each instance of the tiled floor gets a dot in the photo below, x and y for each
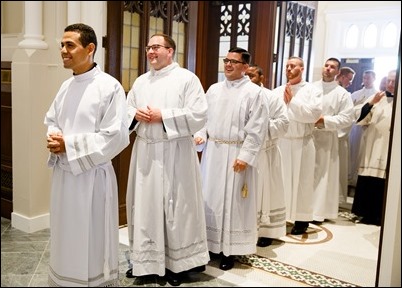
(335, 254)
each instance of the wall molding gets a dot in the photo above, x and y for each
(30, 225)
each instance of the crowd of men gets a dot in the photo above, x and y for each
(268, 157)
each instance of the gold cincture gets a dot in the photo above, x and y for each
(222, 141)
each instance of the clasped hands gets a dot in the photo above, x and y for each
(55, 143)
(198, 141)
(287, 96)
(149, 115)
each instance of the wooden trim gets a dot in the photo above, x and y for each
(191, 35)
(6, 65)
(114, 35)
(262, 37)
(113, 54)
(6, 143)
(208, 43)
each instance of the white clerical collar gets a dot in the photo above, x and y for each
(164, 70)
(87, 75)
(237, 82)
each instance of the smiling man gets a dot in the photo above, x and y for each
(231, 142)
(165, 209)
(87, 127)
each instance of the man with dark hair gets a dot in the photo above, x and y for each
(231, 142)
(271, 208)
(87, 127)
(345, 76)
(344, 79)
(337, 113)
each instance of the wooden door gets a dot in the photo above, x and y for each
(252, 19)
(6, 142)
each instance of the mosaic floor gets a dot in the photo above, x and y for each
(337, 253)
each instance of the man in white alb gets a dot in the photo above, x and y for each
(304, 107)
(165, 208)
(337, 113)
(270, 197)
(231, 142)
(87, 127)
(359, 97)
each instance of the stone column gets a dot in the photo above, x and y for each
(33, 37)
(73, 12)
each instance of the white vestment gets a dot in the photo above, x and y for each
(359, 97)
(298, 151)
(271, 208)
(375, 139)
(90, 111)
(370, 187)
(337, 109)
(236, 128)
(343, 151)
(165, 208)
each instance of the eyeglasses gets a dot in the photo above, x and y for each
(155, 47)
(232, 61)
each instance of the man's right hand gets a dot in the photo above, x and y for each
(288, 93)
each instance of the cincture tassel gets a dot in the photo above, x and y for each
(244, 191)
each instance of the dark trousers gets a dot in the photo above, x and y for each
(369, 199)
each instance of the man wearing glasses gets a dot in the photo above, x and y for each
(231, 142)
(165, 208)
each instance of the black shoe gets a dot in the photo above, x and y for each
(357, 219)
(145, 279)
(264, 241)
(227, 262)
(299, 228)
(214, 256)
(129, 273)
(197, 269)
(172, 278)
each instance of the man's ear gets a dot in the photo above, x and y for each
(91, 48)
